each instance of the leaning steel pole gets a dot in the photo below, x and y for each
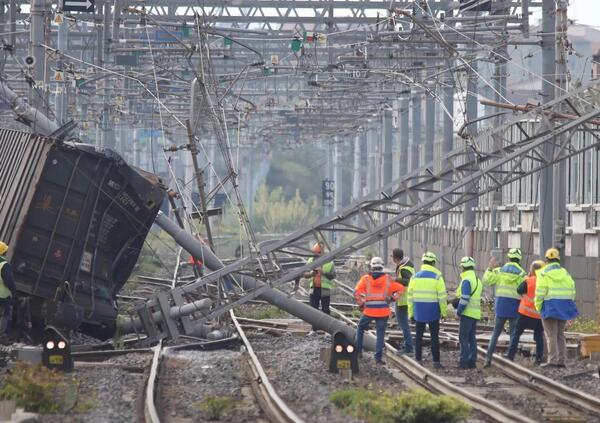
(305, 312)
(37, 92)
(546, 205)
(560, 177)
(39, 122)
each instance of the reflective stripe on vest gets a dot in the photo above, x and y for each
(527, 305)
(509, 277)
(4, 291)
(473, 306)
(378, 299)
(403, 298)
(424, 286)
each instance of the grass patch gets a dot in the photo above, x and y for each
(260, 312)
(413, 406)
(41, 390)
(583, 325)
(215, 408)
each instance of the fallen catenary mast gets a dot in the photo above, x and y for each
(277, 298)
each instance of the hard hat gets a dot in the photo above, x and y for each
(3, 248)
(317, 249)
(467, 262)
(515, 253)
(376, 263)
(429, 257)
(552, 254)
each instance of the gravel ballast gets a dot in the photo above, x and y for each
(107, 394)
(189, 377)
(303, 381)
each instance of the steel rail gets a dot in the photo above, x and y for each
(435, 383)
(574, 397)
(150, 412)
(270, 402)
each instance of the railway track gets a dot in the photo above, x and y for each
(274, 408)
(575, 405)
(435, 383)
(572, 398)
(150, 410)
(271, 403)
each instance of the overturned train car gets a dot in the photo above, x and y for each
(75, 218)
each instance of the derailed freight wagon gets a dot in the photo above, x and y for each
(75, 218)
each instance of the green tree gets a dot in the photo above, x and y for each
(273, 213)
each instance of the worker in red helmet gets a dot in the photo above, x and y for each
(321, 282)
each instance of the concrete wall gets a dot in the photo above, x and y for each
(582, 245)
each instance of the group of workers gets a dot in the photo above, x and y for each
(542, 300)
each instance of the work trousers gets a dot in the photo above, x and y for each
(316, 298)
(380, 327)
(402, 316)
(498, 328)
(467, 342)
(555, 337)
(434, 331)
(526, 322)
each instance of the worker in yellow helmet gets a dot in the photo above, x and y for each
(555, 300)
(7, 288)
(321, 282)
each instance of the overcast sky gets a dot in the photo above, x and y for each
(585, 11)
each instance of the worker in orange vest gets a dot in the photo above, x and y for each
(374, 293)
(529, 317)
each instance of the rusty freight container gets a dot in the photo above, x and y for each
(75, 218)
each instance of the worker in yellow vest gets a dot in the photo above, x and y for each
(404, 271)
(7, 289)
(555, 300)
(321, 282)
(469, 311)
(427, 305)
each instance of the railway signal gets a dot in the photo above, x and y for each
(56, 353)
(343, 354)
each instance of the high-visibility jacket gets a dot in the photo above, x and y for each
(319, 280)
(404, 269)
(469, 292)
(4, 291)
(555, 293)
(506, 280)
(427, 295)
(527, 305)
(374, 294)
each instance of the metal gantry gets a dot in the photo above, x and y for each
(291, 72)
(487, 161)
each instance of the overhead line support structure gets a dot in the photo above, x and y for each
(476, 164)
(547, 221)
(560, 170)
